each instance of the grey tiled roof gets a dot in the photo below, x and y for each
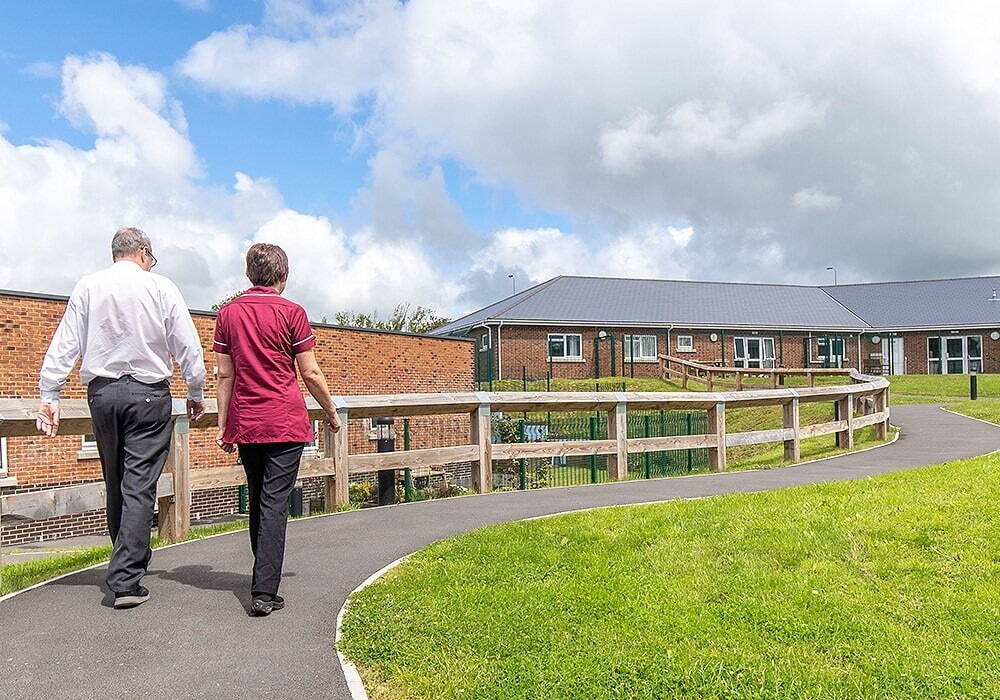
(923, 303)
(602, 300)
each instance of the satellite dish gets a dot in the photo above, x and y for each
(602, 334)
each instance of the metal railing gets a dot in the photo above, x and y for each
(337, 463)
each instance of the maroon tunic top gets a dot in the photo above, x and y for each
(262, 332)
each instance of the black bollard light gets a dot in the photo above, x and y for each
(973, 386)
(386, 442)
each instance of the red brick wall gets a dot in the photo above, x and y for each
(527, 346)
(354, 361)
(915, 349)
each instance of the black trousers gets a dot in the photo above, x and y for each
(271, 469)
(132, 426)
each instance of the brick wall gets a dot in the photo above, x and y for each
(527, 346)
(354, 361)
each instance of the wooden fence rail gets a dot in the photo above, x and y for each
(174, 489)
(711, 376)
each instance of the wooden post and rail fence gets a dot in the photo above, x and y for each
(711, 376)
(336, 463)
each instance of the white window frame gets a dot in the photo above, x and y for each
(766, 362)
(312, 448)
(969, 359)
(485, 342)
(633, 338)
(88, 448)
(942, 358)
(4, 466)
(564, 357)
(685, 347)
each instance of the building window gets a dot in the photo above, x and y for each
(565, 346)
(961, 354)
(88, 447)
(685, 343)
(312, 447)
(3, 456)
(753, 352)
(640, 348)
(484, 341)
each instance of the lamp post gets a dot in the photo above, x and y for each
(834, 275)
(513, 283)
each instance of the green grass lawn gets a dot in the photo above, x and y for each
(880, 588)
(984, 409)
(906, 388)
(14, 577)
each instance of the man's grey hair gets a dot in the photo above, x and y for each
(129, 241)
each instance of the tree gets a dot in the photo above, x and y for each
(219, 304)
(416, 320)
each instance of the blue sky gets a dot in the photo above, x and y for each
(310, 153)
(420, 152)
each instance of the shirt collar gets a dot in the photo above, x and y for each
(261, 290)
(125, 263)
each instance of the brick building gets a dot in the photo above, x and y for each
(593, 326)
(356, 361)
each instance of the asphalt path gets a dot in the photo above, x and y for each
(193, 638)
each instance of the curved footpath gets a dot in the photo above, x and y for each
(194, 639)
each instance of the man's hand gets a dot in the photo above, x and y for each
(333, 420)
(223, 445)
(195, 409)
(47, 420)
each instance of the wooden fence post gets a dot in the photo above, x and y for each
(790, 421)
(337, 445)
(717, 426)
(845, 412)
(882, 404)
(336, 491)
(175, 511)
(618, 431)
(481, 435)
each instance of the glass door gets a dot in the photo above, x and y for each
(753, 352)
(954, 348)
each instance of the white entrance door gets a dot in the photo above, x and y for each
(954, 349)
(892, 355)
(753, 352)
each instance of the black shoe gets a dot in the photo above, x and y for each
(278, 603)
(130, 599)
(261, 607)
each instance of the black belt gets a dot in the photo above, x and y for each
(104, 381)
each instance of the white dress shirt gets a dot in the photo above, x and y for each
(124, 320)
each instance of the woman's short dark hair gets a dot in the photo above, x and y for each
(267, 265)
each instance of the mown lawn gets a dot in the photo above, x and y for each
(887, 587)
(906, 388)
(14, 577)
(984, 409)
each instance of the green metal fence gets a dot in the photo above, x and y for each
(576, 470)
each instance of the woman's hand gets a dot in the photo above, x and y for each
(333, 420)
(223, 445)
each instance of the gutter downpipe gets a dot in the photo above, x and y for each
(499, 352)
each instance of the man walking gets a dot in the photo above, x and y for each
(128, 324)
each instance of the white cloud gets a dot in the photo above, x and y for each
(539, 254)
(61, 205)
(692, 131)
(714, 114)
(814, 198)
(200, 5)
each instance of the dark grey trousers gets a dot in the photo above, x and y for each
(132, 426)
(271, 470)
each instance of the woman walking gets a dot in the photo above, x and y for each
(260, 339)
